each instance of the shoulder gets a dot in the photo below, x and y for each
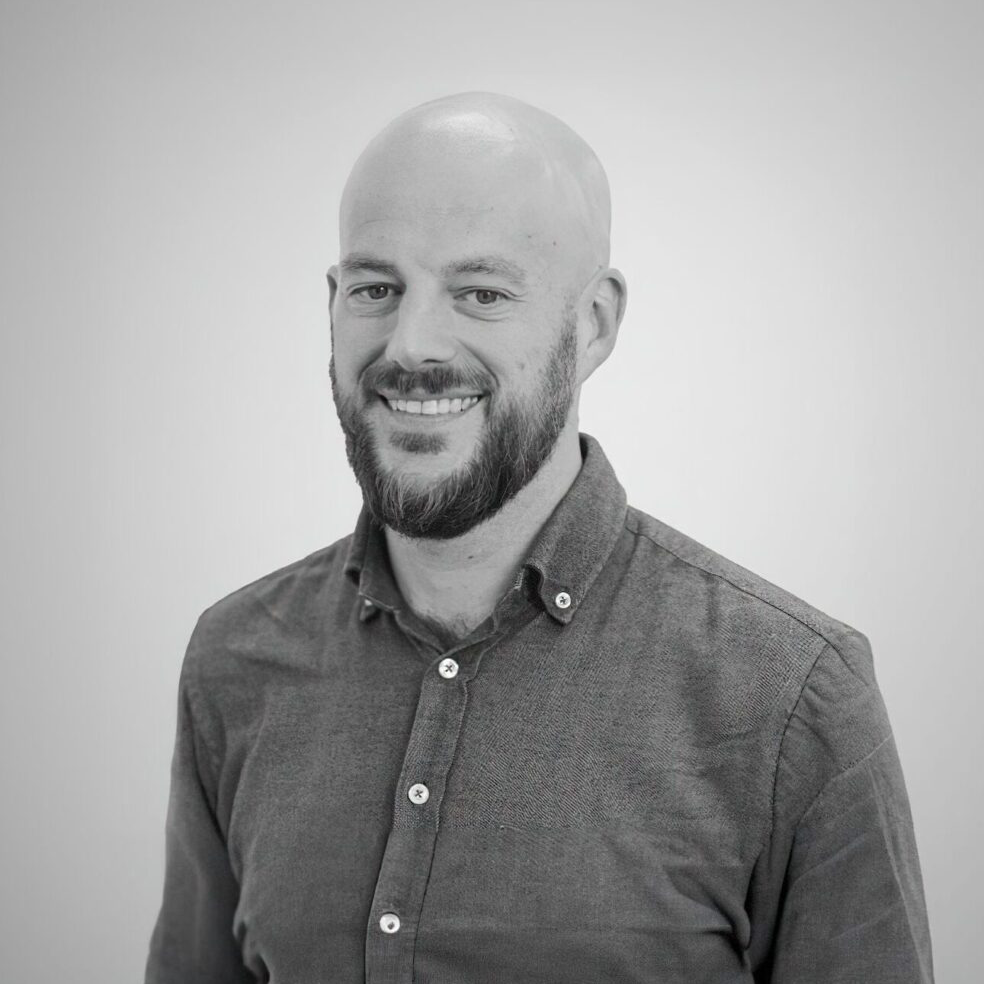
(809, 671)
(700, 569)
(274, 616)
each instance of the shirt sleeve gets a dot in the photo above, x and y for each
(850, 902)
(192, 940)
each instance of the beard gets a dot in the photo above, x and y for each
(517, 438)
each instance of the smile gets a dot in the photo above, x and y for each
(434, 408)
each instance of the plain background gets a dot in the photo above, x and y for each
(798, 211)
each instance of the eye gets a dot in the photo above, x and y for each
(486, 297)
(375, 292)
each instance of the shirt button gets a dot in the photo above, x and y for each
(389, 922)
(448, 669)
(418, 793)
(563, 600)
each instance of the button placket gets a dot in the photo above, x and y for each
(407, 859)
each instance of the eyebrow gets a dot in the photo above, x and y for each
(495, 266)
(490, 265)
(354, 262)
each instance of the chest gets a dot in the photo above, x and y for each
(563, 807)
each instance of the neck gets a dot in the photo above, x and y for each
(458, 582)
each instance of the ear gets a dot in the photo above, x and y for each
(605, 316)
(332, 285)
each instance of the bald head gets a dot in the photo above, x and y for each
(478, 158)
(472, 299)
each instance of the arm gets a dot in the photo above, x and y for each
(192, 941)
(849, 902)
(853, 906)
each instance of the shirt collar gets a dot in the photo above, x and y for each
(567, 554)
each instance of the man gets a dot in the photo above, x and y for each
(512, 730)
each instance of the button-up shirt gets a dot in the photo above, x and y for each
(646, 765)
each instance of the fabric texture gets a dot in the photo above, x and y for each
(685, 774)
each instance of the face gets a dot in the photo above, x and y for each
(454, 355)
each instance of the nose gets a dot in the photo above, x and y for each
(423, 332)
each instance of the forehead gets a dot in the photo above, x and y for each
(451, 244)
(435, 212)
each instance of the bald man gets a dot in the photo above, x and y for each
(512, 729)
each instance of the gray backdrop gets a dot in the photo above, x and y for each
(798, 210)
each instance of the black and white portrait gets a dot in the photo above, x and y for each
(491, 495)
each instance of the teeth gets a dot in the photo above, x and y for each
(434, 407)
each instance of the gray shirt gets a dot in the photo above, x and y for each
(647, 765)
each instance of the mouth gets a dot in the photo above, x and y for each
(445, 407)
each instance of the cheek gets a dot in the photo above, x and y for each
(353, 351)
(515, 350)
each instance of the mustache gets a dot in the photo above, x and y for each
(440, 379)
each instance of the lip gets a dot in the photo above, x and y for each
(423, 397)
(429, 419)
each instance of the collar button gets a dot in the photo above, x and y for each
(563, 600)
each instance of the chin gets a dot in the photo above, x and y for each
(419, 471)
(429, 451)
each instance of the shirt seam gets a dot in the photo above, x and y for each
(770, 832)
(270, 575)
(842, 770)
(765, 601)
(816, 633)
(198, 736)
